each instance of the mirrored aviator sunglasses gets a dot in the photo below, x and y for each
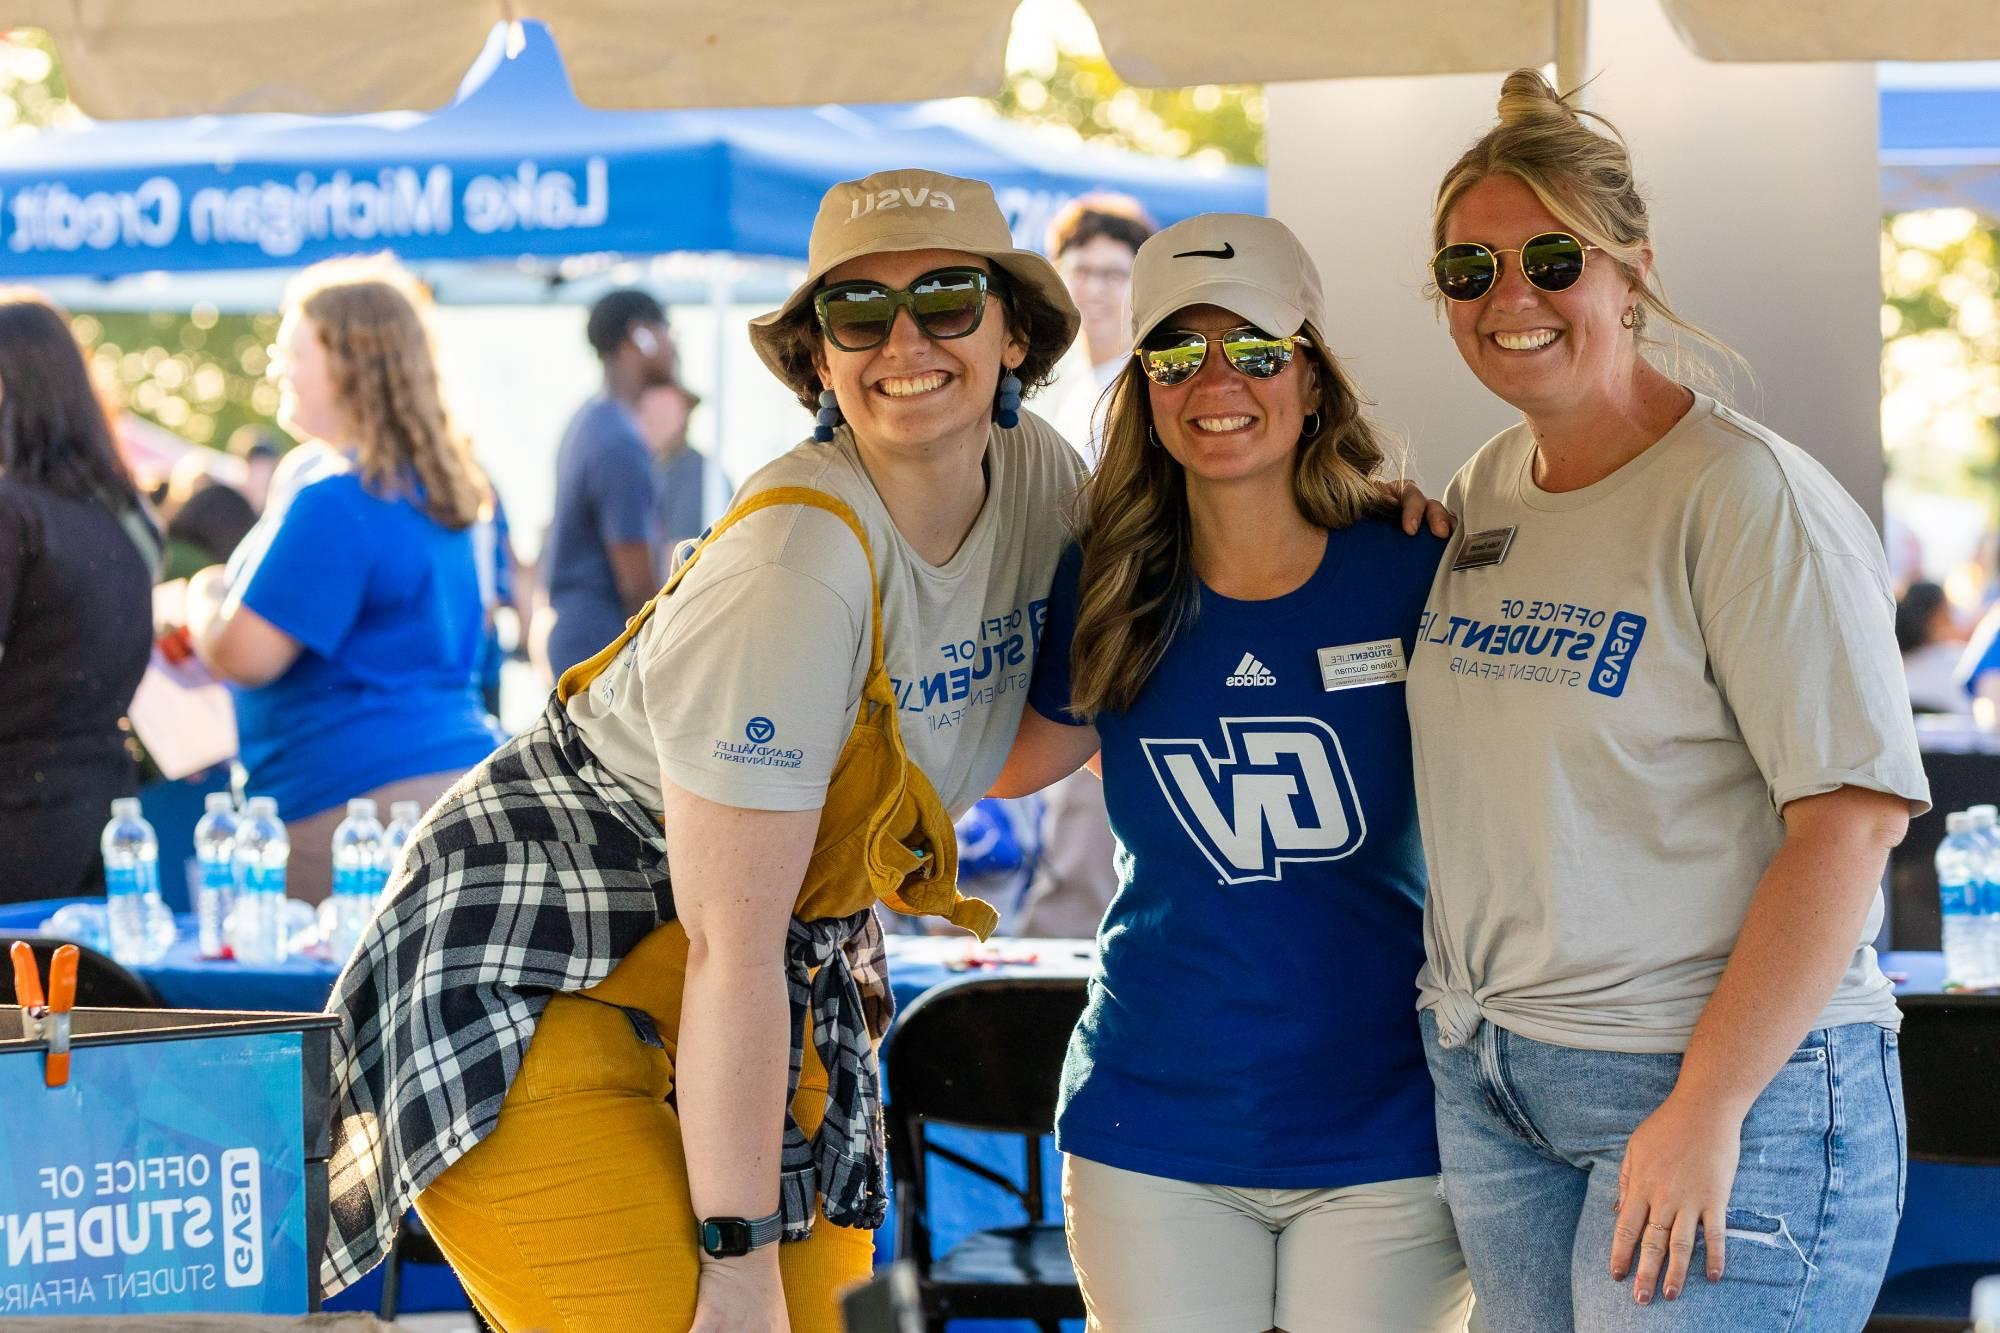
(946, 303)
(1175, 356)
(1552, 261)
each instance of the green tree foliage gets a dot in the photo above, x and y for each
(1941, 351)
(33, 94)
(1081, 92)
(200, 374)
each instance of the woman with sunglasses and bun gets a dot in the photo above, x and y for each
(1246, 1115)
(1663, 747)
(613, 1030)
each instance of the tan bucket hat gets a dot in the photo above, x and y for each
(893, 211)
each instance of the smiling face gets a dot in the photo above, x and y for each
(914, 395)
(1545, 353)
(1225, 426)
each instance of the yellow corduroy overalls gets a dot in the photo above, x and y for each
(574, 1213)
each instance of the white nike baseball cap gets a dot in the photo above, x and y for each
(1250, 266)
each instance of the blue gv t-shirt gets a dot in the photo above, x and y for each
(1253, 1019)
(386, 606)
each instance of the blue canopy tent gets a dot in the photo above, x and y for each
(515, 166)
(1941, 142)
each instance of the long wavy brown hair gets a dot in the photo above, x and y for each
(1138, 587)
(369, 316)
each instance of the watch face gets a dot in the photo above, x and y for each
(725, 1237)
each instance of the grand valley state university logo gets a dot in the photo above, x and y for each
(1279, 791)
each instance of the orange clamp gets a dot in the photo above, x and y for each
(46, 1017)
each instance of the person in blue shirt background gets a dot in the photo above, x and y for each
(598, 563)
(352, 620)
(1246, 1118)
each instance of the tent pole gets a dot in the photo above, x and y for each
(721, 293)
(1572, 47)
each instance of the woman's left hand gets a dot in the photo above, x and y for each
(1417, 510)
(1679, 1165)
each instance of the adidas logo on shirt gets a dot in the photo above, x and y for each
(1250, 672)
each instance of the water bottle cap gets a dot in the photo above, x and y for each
(218, 803)
(125, 807)
(263, 806)
(406, 812)
(361, 807)
(1958, 821)
(1986, 1301)
(1982, 815)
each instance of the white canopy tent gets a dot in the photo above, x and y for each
(131, 58)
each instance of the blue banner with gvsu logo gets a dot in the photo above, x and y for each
(166, 1177)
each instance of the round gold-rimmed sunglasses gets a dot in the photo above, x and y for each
(1552, 261)
(1176, 356)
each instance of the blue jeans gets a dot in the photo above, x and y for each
(1531, 1136)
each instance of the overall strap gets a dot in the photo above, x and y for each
(578, 678)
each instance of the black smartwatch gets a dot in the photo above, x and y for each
(729, 1237)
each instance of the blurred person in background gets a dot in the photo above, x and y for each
(77, 556)
(205, 512)
(1092, 242)
(598, 564)
(352, 619)
(1931, 645)
(259, 451)
(680, 471)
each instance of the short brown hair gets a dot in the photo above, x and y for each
(1083, 220)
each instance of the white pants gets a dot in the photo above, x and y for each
(1165, 1256)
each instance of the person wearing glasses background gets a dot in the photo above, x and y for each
(1246, 1116)
(350, 619)
(647, 892)
(1663, 747)
(1093, 241)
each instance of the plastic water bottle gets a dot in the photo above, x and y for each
(358, 876)
(403, 817)
(133, 908)
(1986, 1305)
(215, 854)
(256, 929)
(1960, 873)
(1986, 906)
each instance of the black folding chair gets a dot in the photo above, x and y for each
(984, 1053)
(101, 981)
(1951, 1094)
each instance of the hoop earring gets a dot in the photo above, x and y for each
(1632, 319)
(1311, 425)
(1151, 438)
(1007, 404)
(828, 417)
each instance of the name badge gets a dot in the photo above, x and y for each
(1378, 663)
(1481, 549)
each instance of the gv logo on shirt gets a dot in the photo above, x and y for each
(1279, 791)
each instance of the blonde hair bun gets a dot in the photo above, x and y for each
(1528, 99)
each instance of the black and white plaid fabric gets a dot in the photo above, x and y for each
(536, 874)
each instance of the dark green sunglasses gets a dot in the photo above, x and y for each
(946, 303)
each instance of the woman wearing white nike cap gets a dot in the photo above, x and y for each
(1246, 1116)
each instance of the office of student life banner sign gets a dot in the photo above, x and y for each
(166, 1177)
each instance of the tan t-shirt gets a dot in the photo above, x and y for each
(745, 683)
(1607, 722)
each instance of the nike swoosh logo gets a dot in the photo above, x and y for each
(1227, 251)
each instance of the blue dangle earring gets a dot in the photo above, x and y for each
(1007, 404)
(828, 417)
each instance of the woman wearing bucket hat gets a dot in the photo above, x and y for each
(1246, 1118)
(565, 1035)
